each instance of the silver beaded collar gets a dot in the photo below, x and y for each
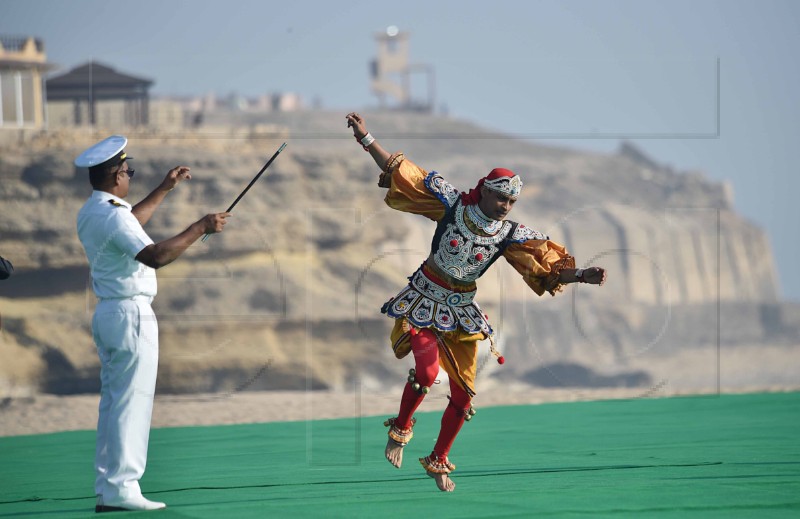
(481, 221)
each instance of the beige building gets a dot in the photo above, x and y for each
(22, 66)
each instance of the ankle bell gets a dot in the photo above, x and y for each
(469, 413)
(420, 389)
(416, 386)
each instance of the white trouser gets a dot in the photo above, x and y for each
(126, 335)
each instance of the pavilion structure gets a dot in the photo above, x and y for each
(95, 94)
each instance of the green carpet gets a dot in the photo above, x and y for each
(713, 456)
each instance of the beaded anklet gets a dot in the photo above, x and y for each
(400, 436)
(437, 465)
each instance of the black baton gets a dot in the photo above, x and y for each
(205, 237)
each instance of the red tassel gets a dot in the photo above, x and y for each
(501, 360)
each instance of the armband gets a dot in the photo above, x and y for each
(394, 161)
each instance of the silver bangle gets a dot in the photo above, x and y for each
(367, 140)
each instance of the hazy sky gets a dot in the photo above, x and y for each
(701, 85)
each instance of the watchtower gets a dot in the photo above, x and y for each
(392, 73)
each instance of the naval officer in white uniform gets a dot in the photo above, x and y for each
(122, 259)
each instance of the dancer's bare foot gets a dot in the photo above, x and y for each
(443, 481)
(398, 438)
(394, 453)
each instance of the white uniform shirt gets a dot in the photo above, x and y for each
(112, 237)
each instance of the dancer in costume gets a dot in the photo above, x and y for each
(436, 315)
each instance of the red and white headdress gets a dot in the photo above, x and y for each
(500, 180)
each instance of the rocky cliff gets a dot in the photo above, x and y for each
(288, 295)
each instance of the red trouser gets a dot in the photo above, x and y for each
(426, 357)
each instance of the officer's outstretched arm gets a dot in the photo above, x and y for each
(165, 252)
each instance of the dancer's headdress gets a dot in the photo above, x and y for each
(500, 180)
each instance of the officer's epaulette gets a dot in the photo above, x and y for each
(115, 203)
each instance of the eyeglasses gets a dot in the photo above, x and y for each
(130, 173)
